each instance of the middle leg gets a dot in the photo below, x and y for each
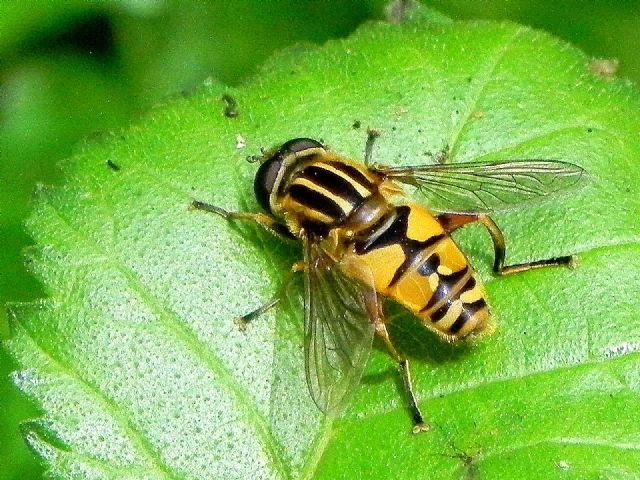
(244, 320)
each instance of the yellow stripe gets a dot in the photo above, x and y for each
(361, 189)
(472, 295)
(434, 280)
(344, 205)
(444, 270)
(312, 214)
(421, 224)
(290, 205)
(451, 316)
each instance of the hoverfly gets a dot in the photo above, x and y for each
(363, 242)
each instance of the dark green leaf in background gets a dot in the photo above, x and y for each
(141, 372)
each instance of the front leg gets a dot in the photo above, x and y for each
(262, 219)
(273, 226)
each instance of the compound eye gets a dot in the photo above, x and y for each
(268, 173)
(265, 180)
(298, 145)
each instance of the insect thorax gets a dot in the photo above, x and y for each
(326, 192)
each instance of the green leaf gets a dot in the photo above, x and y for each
(140, 371)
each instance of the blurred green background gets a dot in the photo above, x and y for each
(72, 70)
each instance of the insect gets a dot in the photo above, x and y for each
(364, 242)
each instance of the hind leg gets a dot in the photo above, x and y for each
(452, 221)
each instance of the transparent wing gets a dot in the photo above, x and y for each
(338, 329)
(486, 186)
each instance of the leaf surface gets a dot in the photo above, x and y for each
(140, 371)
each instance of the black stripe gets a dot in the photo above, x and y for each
(371, 234)
(333, 183)
(353, 172)
(429, 241)
(468, 285)
(395, 233)
(430, 265)
(316, 201)
(446, 284)
(468, 311)
(460, 322)
(475, 306)
(291, 168)
(411, 250)
(441, 312)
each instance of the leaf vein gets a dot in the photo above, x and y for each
(485, 77)
(172, 322)
(521, 142)
(139, 440)
(461, 388)
(557, 441)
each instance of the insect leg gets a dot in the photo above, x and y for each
(372, 134)
(267, 221)
(419, 424)
(244, 320)
(374, 309)
(452, 221)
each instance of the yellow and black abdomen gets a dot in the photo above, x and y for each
(416, 263)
